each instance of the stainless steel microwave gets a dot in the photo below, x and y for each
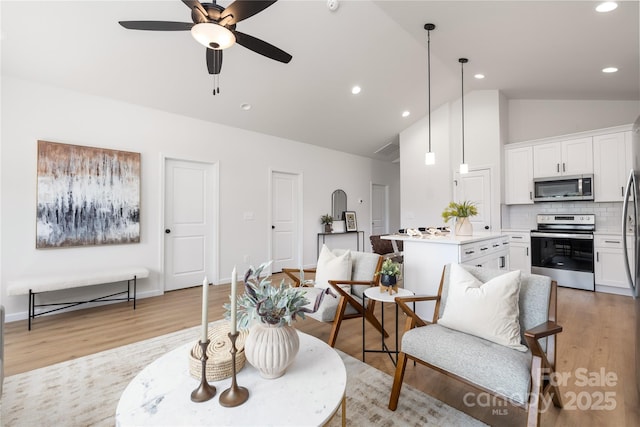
(561, 188)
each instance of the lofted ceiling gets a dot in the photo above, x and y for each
(526, 49)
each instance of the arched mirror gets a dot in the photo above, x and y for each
(338, 204)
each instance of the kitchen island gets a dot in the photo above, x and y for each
(426, 255)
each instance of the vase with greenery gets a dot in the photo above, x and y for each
(327, 221)
(268, 312)
(389, 272)
(461, 212)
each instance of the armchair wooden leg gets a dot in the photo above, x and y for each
(397, 381)
(337, 321)
(533, 416)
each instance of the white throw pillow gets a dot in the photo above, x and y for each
(487, 310)
(332, 267)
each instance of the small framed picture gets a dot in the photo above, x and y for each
(350, 221)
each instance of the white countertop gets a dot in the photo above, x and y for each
(446, 238)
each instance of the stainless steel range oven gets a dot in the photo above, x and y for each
(562, 248)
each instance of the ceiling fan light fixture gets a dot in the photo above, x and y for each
(213, 36)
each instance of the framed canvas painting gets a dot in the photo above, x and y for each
(86, 196)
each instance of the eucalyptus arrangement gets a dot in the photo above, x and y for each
(272, 305)
(459, 210)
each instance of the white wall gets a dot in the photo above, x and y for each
(541, 118)
(31, 111)
(426, 190)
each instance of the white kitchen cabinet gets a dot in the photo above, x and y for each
(609, 265)
(520, 252)
(611, 165)
(570, 157)
(424, 258)
(489, 253)
(518, 175)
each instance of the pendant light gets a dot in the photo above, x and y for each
(464, 168)
(430, 156)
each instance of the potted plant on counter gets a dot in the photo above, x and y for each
(461, 212)
(327, 220)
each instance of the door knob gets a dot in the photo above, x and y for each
(486, 227)
(167, 231)
(273, 227)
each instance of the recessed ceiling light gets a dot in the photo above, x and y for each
(606, 6)
(356, 90)
(609, 70)
(405, 114)
(479, 76)
(245, 106)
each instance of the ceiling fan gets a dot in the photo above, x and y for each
(215, 27)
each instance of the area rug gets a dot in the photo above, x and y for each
(86, 391)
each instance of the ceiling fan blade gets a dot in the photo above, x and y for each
(156, 25)
(262, 47)
(194, 4)
(214, 61)
(243, 9)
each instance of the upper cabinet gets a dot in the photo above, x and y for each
(518, 175)
(611, 165)
(571, 157)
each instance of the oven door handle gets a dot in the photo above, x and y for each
(563, 235)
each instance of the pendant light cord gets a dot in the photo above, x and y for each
(462, 62)
(429, 83)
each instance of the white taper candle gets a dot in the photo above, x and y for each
(205, 309)
(234, 286)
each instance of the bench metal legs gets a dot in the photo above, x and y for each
(33, 305)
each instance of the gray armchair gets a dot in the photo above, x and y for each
(520, 377)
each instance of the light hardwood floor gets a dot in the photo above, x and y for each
(597, 343)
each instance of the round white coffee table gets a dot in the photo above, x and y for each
(309, 393)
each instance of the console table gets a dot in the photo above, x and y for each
(309, 393)
(342, 233)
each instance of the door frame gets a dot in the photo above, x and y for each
(300, 228)
(386, 206)
(215, 244)
(494, 196)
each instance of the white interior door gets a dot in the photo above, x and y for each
(285, 209)
(475, 186)
(189, 223)
(379, 209)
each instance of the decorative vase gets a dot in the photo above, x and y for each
(327, 228)
(388, 280)
(271, 349)
(463, 227)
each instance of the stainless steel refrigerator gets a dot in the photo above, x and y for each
(630, 222)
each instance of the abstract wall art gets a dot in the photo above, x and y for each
(86, 196)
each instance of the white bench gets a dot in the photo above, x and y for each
(34, 285)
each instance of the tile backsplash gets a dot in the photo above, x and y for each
(608, 215)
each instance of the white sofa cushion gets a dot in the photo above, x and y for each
(487, 310)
